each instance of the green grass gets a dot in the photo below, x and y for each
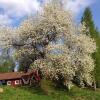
(47, 92)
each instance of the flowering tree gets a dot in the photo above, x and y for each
(53, 43)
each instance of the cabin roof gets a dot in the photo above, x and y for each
(13, 75)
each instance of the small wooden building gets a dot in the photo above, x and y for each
(17, 78)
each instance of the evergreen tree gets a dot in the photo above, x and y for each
(88, 20)
(94, 33)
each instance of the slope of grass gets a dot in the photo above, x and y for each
(48, 93)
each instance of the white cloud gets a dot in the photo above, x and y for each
(77, 5)
(20, 8)
(17, 9)
(5, 20)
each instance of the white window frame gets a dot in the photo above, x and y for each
(17, 82)
(8, 82)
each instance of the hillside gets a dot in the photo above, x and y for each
(27, 93)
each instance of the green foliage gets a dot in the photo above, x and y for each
(6, 66)
(6, 62)
(97, 61)
(89, 23)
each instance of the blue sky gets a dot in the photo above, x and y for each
(96, 13)
(12, 12)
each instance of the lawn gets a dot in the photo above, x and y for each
(35, 93)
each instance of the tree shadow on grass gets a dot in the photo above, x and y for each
(33, 90)
(47, 88)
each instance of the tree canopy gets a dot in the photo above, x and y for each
(53, 43)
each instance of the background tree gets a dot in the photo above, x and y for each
(7, 37)
(94, 33)
(6, 62)
(89, 23)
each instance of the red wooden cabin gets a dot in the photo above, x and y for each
(18, 78)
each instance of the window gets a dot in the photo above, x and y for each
(8, 82)
(17, 82)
